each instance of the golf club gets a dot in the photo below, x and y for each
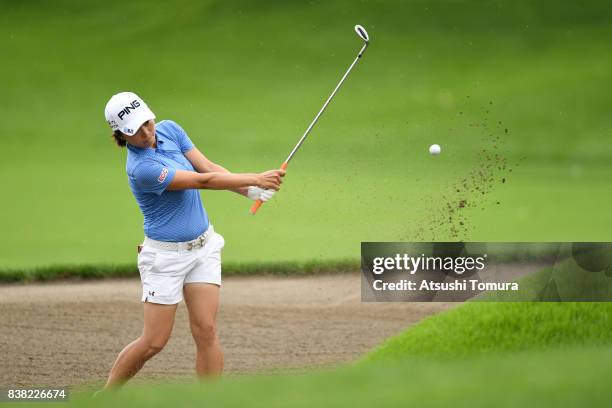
(362, 33)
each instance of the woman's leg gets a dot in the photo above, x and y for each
(158, 322)
(202, 300)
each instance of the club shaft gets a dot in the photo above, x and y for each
(299, 143)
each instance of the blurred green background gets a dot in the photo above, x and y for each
(524, 80)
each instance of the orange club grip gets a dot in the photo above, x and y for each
(258, 203)
(256, 206)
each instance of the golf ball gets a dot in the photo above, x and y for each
(435, 149)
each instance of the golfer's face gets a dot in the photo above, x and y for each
(145, 136)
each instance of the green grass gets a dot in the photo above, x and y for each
(497, 328)
(58, 272)
(562, 379)
(501, 354)
(245, 79)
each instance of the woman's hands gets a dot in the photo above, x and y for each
(270, 180)
(268, 185)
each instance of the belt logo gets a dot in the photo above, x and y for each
(127, 109)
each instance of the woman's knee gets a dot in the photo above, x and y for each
(153, 346)
(204, 333)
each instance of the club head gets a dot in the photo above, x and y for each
(362, 33)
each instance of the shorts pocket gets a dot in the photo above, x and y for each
(146, 260)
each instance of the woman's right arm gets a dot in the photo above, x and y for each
(184, 180)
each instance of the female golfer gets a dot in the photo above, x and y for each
(180, 257)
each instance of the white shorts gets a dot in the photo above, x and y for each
(164, 272)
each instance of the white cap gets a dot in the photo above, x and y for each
(126, 112)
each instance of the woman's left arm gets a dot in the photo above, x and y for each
(203, 165)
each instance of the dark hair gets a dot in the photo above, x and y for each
(118, 136)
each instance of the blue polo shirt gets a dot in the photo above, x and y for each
(171, 216)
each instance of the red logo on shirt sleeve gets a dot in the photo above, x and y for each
(162, 175)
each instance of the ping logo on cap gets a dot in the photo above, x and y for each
(162, 175)
(127, 109)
